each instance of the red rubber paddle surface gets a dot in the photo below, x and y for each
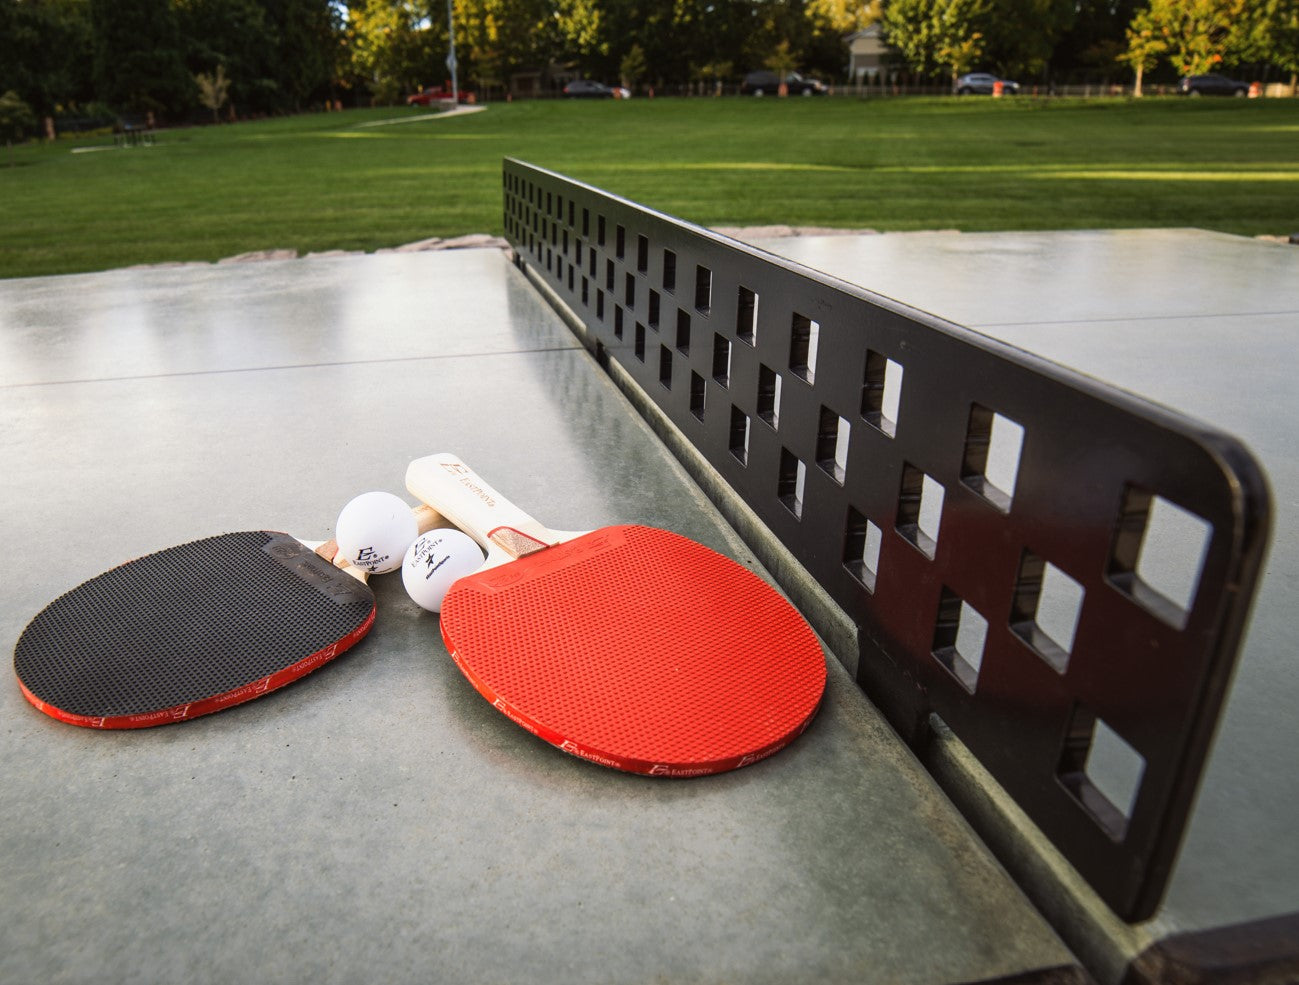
(638, 649)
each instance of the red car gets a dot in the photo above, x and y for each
(427, 97)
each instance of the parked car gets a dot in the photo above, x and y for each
(983, 84)
(429, 96)
(768, 83)
(1211, 85)
(586, 89)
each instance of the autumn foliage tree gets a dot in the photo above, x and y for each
(1201, 34)
(1146, 45)
(938, 35)
(391, 47)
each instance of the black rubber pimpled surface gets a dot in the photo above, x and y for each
(187, 623)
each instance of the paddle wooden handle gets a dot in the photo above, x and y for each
(461, 495)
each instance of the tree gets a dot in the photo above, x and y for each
(1272, 36)
(575, 27)
(212, 90)
(1020, 35)
(632, 67)
(308, 50)
(16, 119)
(137, 57)
(497, 38)
(960, 40)
(46, 52)
(782, 61)
(709, 40)
(843, 17)
(235, 35)
(908, 26)
(666, 31)
(954, 36)
(1146, 43)
(960, 54)
(714, 74)
(391, 47)
(1200, 35)
(934, 35)
(783, 28)
(1094, 43)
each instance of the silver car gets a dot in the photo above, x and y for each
(983, 84)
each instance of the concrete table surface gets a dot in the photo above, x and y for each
(1204, 323)
(377, 821)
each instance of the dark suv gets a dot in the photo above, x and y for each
(1211, 85)
(762, 83)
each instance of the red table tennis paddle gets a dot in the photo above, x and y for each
(194, 629)
(632, 647)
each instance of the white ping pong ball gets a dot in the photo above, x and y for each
(374, 530)
(434, 561)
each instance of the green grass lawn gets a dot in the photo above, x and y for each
(327, 181)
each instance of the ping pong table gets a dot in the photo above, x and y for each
(377, 820)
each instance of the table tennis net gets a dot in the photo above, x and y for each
(1058, 570)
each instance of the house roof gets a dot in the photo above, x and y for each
(869, 31)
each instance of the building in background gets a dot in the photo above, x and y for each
(868, 56)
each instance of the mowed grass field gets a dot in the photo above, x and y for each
(337, 181)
